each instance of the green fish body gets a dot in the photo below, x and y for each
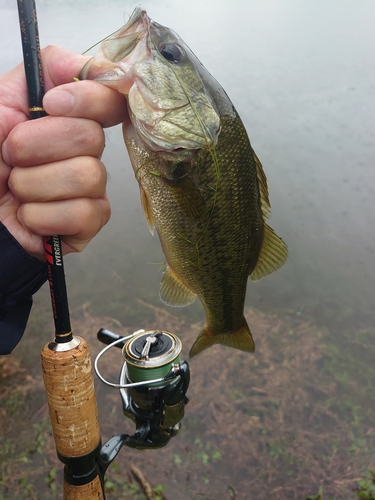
(202, 187)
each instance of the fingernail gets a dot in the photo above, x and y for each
(58, 102)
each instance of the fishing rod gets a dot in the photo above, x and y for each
(153, 380)
(66, 362)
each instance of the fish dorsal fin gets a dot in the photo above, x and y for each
(263, 189)
(174, 293)
(273, 254)
(147, 210)
(274, 251)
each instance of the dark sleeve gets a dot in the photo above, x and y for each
(21, 275)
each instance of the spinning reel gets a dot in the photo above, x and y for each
(153, 383)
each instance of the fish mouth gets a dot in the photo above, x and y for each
(129, 42)
(160, 107)
(137, 15)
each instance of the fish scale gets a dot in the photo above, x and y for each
(202, 187)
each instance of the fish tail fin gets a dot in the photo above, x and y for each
(240, 339)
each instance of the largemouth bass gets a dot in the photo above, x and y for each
(202, 187)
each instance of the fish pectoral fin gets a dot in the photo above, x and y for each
(240, 339)
(147, 211)
(188, 198)
(273, 254)
(174, 293)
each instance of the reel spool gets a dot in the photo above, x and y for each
(153, 382)
(151, 355)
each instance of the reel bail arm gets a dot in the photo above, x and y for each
(153, 383)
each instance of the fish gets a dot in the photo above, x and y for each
(202, 187)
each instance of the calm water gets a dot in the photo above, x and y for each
(301, 75)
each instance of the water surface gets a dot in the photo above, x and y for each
(301, 77)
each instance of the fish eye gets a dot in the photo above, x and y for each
(172, 53)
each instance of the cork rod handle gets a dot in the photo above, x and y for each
(69, 383)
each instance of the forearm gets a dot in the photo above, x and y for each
(21, 275)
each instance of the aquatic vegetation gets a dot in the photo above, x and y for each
(365, 489)
(366, 486)
(297, 415)
(319, 496)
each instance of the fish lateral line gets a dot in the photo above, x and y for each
(216, 187)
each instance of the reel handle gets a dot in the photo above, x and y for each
(107, 337)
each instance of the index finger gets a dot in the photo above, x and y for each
(60, 67)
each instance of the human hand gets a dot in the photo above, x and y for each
(51, 178)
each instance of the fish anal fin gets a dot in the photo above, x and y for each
(174, 293)
(273, 254)
(147, 210)
(240, 339)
